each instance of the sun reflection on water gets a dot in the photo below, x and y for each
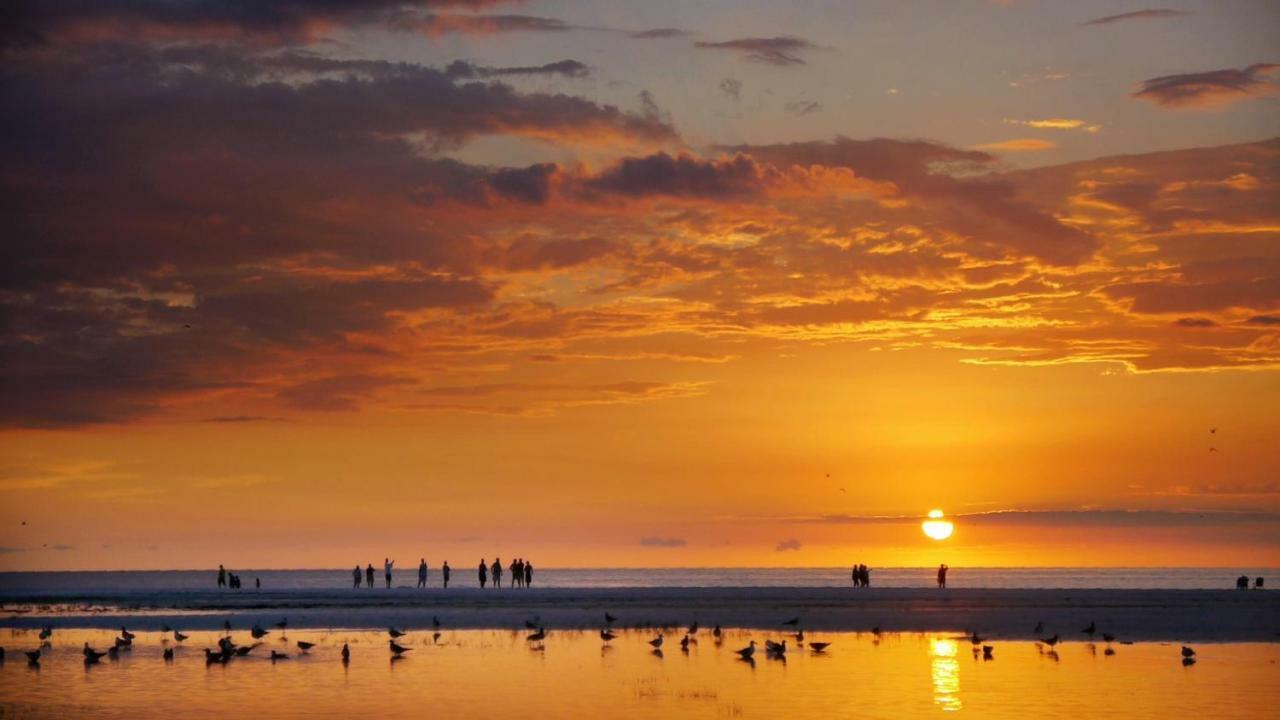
(945, 674)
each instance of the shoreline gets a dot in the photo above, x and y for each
(1139, 615)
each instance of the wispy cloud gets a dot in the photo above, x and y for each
(1019, 145)
(1212, 88)
(781, 51)
(663, 542)
(790, 544)
(1152, 14)
(1056, 124)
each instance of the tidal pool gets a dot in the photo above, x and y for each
(501, 674)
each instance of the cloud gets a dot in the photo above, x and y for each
(444, 24)
(682, 175)
(803, 107)
(564, 68)
(663, 542)
(1152, 14)
(242, 419)
(62, 548)
(781, 51)
(1208, 89)
(1020, 145)
(1264, 320)
(11, 550)
(337, 393)
(1066, 518)
(786, 545)
(1195, 323)
(659, 34)
(1056, 124)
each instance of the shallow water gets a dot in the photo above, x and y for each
(1026, 577)
(501, 674)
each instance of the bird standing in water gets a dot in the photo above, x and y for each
(746, 652)
(346, 653)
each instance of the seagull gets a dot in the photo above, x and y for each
(774, 648)
(975, 639)
(346, 653)
(530, 625)
(245, 650)
(876, 631)
(33, 657)
(792, 622)
(435, 637)
(394, 633)
(1187, 652)
(304, 646)
(746, 652)
(1109, 651)
(278, 656)
(606, 636)
(1039, 628)
(168, 653)
(693, 629)
(819, 646)
(1108, 637)
(684, 643)
(656, 642)
(211, 657)
(987, 651)
(1050, 641)
(1093, 628)
(258, 633)
(46, 632)
(716, 632)
(540, 635)
(92, 656)
(179, 636)
(1188, 661)
(609, 618)
(397, 649)
(124, 633)
(226, 625)
(124, 643)
(800, 636)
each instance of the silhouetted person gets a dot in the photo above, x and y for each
(1257, 583)
(444, 573)
(497, 572)
(355, 577)
(483, 572)
(942, 575)
(422, 573)
(1242, 582)
(853, 576)
(222, 576)
(528, 573)
(517, 572)
(368, 575)
(866, 575)
(257, 583)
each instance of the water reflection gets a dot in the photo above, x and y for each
(574, 674)
(946, 674)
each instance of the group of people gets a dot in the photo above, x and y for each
(1242, 583)
(861, 576)
(388, 565)
(521, 573)
(231, 580)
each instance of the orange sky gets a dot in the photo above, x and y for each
(493, 282)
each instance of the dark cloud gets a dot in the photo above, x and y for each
(659, 33)
(241, 419)
(682, 176)
(782, 51)
(1191, 322)
(1264, 320)
(1256, 293)
(803, 107)
(790, 544)
(1153, 14)
(337, 393)
(565, 68)
(43, 21)
(1214, 87)
(663, 542)
(480, 24)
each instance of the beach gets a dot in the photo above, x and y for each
(1144, 615)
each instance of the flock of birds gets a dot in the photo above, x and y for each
(227, 649)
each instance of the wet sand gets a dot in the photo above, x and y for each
(1146, 615)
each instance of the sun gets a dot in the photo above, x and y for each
(937, 528)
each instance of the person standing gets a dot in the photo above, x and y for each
(368, 575)
(222, 576)
(355, 577)
(942, 575)
(517, 572)
(387, 564)
(497, 572)
(528, 573)
(422, 573)
(444, 573)
(484, 573)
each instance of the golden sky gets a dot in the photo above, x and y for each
(660, 285)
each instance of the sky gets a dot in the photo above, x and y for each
(308, 284)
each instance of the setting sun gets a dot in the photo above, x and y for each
(937, 528)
